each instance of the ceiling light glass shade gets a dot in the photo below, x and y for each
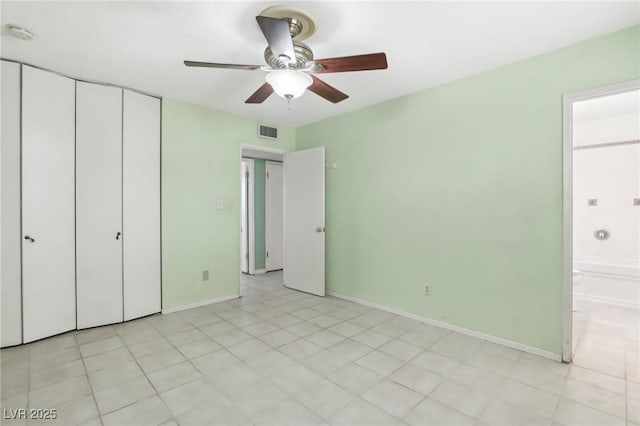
(289, 83)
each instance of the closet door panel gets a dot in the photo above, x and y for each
(10, 283)
(141, 205)
(98, 204)
(48, 211)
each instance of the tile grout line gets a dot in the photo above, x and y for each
(144, 373)
(93, 395)
(117, 384)
(189, 360)
(243, 361)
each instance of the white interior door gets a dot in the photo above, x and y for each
(141, 205)
(304, 220)
(273, 216)
(48, 211)
(98, 204)
(10, 284)
(244, 221)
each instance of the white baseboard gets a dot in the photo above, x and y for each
(199, 304)
(606, 300)
(451, 327)
(259, 271)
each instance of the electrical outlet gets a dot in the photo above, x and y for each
(205, 275)
(427, 290)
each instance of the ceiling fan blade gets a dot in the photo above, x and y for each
(227, 66)
(260, 95)
(278, 35)
(371, 61)
(330, 93)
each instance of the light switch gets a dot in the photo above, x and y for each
(220, 204)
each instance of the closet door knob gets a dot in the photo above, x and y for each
(26, 237)
(118, 235)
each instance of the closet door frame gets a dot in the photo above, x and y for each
(26, 337)
(11, 287)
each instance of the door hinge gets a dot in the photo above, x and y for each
(267, 175)
(246, 174)
(267, 254)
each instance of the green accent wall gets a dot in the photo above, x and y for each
(201, 164)
(259, 249)
(460, 187)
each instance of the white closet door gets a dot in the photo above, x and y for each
(10, 285)
(304, 220)
(98, 204)
(273, 216)
(48, 213)
(141, 204)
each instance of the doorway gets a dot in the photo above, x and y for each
(601, 216)
(261, 212)
(282, 216)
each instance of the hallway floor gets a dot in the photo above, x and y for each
(281, 357)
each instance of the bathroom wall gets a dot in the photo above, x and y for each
(610, 175)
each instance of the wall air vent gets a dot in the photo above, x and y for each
(267, 132)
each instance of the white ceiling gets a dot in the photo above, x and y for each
(608, 106)
(142, 45)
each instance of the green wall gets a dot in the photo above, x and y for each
(259, 250)
(201, 164)
(460, 187)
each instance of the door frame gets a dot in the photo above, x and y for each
(244, 212)
(250, 191)
(267, 233)
(250, 213)
(567, 200)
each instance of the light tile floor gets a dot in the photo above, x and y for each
(281, 357)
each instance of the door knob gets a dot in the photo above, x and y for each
(118, 235)
(26, 237)
(320, 229)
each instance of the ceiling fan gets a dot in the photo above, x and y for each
(290, 63)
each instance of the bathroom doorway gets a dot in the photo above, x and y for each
(601, 250)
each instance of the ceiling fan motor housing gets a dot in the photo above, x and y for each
(302, 52)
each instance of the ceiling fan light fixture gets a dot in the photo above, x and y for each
(289, 84)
